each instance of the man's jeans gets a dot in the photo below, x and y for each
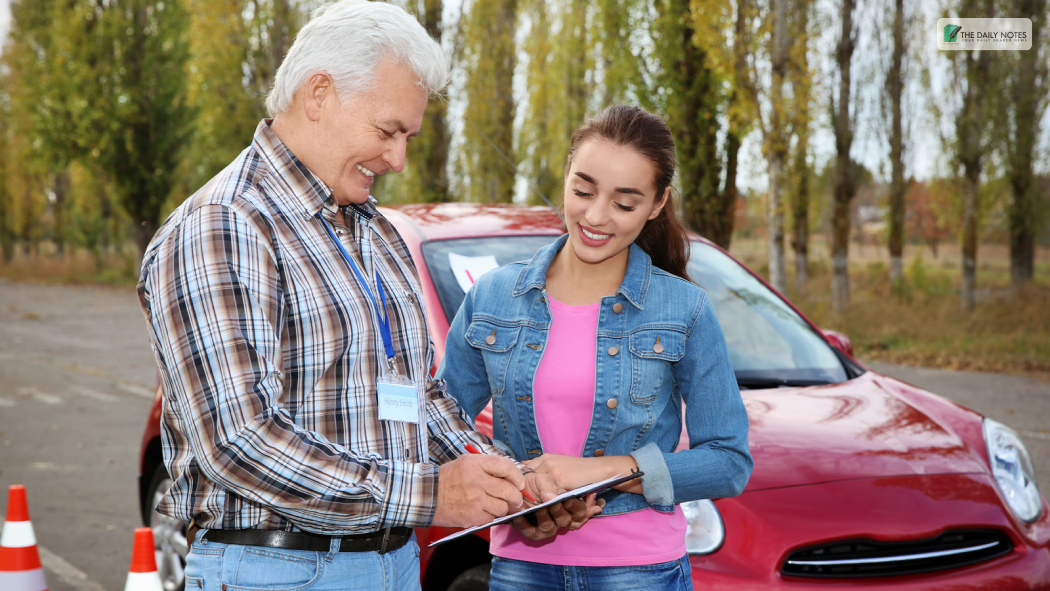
(211, 566)
(517, 575)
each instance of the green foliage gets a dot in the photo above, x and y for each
(489, 58)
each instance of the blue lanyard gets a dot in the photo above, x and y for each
(384, 319)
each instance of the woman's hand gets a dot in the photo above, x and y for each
(571, 513)
(571, 472)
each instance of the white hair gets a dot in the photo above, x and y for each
(347, 40)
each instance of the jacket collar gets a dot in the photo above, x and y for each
(635, 282)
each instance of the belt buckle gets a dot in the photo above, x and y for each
(386, 538)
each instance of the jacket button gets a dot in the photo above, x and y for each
(613, 350)
(491, 339)
(617, 307)
(658, 348)
(611, 403)
(599, 453)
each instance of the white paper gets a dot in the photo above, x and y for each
(468, 269)
(575, 493)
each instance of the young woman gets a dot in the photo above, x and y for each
(591, 352)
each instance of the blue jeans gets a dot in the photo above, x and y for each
(518, 575)
(211, 566)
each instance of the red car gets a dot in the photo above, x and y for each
(859, 479)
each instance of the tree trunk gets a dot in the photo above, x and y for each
(777, 149)
(144, 231)
(59, 219)
(723, 234)
(800, 214)
(844, 187)
(895, 83)
(970, 126)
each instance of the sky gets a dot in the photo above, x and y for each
(5, 21)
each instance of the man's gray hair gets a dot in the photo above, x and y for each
(348, 39)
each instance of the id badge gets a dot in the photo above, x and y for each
(398, 401)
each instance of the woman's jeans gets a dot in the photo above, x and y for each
(211, 566)
(517, 575)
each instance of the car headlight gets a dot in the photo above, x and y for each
(1012, 468)
(705, 531)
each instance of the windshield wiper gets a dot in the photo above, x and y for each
(761, 383)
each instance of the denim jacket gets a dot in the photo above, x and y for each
(660, 351)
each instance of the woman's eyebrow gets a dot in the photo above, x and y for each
(624, 190)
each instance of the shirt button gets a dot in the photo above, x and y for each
(599, 453)
(617, 307)
(611, 403)
(613, 350)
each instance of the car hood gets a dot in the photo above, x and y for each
(871, 426)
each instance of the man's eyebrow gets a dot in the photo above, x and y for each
(400, 127)
(624, 190)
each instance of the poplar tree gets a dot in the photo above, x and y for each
(845, 185)
(895, 89)
(145, 119)
(801, 80)
(489, 57)
(1027, 91)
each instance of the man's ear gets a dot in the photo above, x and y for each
(316, 95)
(660, 204)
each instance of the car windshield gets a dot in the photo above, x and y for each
(769, 344)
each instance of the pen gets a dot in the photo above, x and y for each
(470, 448)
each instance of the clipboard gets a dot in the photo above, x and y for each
(583, 491)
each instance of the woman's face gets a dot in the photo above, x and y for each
(609, 195)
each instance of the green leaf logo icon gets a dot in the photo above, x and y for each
(951, 33)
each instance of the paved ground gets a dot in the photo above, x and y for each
(76, 381)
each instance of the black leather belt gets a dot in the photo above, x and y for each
(382, 541)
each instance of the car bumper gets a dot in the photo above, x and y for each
(764, 527)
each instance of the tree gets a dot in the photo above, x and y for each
(141, 95)
(895, 89)
(971, 146)
(845, 187)
(489, 57)
(801, 77)
(693, 100)
(1027, 84)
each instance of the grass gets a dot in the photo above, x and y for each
(922, 321)
(77, 267)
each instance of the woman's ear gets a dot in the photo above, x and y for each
(661, 203)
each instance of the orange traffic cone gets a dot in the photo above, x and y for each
(143, 575)
(20, 568)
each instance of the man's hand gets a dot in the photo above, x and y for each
(475, 489)
(571, 513)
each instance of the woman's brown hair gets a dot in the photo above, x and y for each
(664, 237)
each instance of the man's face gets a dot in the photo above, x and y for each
(366, 134)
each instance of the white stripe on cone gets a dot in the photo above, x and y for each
(23, 580)
(143, 582)
(18, 534)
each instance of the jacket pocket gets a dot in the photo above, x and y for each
(653, 350)
(496, 343)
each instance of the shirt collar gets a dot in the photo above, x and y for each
(635, 282)
(307, 192)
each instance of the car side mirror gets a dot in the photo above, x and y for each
(839, 341)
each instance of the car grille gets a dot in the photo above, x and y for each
(869, 558)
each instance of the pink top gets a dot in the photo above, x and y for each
(563, 396)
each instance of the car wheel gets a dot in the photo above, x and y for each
(169, 536)
(473, 579)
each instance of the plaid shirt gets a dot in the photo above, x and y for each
(269, 351)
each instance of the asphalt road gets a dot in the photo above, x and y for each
(77, 379)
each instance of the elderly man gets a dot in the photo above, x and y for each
(301, 427)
